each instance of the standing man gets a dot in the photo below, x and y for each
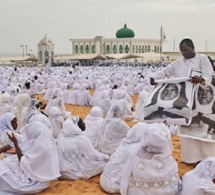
(199, 69)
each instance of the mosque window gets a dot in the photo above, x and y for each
(148, 48)
(133, 49)
(40, 56)
(81, 49)
(136, 48)
(93, 49)
(76, 49)
(140, 49)
(120, 49)
(108, 49)
(155, 49)
(52, 56)
(114, 49)
(126, 49)
(143, 49)
(158, 49)
(87, 49)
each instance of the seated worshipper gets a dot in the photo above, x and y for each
(77, 157)
(139, 107)
(84, 97)
(112, 131)
(151, 170)
(8, 122)
(200, 181)
(78, 121)
(126, 86)
(5, 103)
(111, 177)
(73, 95)
(105, 101)
(56, 120)
(93, 122)
(34, 166)
(42, 119)
(121, 100)
(57, 100)
(50, 87)
(21, 101)
(30, 111)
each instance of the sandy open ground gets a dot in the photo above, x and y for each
(91, 186)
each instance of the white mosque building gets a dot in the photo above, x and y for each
(124, 43)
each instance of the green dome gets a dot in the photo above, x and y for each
(125, 33)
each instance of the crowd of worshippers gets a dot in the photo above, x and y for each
(49, 143)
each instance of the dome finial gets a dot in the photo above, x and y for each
(125, 25)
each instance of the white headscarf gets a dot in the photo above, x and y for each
(200, 180)
(5, 121)
(40, 159)
(56, 120)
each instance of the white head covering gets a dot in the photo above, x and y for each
(96, 111)
(56, 120)
(5, 121)
(40, 159)
(200, 180)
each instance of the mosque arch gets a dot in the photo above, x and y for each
(126, 49)
(148, 48)
(136, 48)
(158, 49)
(120, 49)
(93, 49)
(40, 56)
(155, 49)
(140, 50)
(87, 49)
(133, 49)
(82, 49)
(143, 49)
(76, 49)
(114, 49)
(107, 49)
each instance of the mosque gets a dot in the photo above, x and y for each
(124, 43)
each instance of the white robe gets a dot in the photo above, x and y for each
(192, 150)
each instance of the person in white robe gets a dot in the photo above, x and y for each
(73, 94)
(57, 100)
(200, 181)
(29, 111)
(151, 170)
(113, 130)
(93, 122)
(192, 150)
(21, 101)
(35, 165)
(84, 97)
(77, 157)
(139, 107)
(56, 120)
(104, 102)
(111, 177)
(5, 103)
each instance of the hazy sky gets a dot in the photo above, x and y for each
(27, 21)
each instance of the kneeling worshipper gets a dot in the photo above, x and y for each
(111, 177)
(5, 103)
(113, 130)
(200, 181)
(77, 157)
(151, 170)
(93, 122)
(34, 166)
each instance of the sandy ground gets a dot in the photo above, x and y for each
(91, 186)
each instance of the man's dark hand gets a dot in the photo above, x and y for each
(152, 81)
(196, 79)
